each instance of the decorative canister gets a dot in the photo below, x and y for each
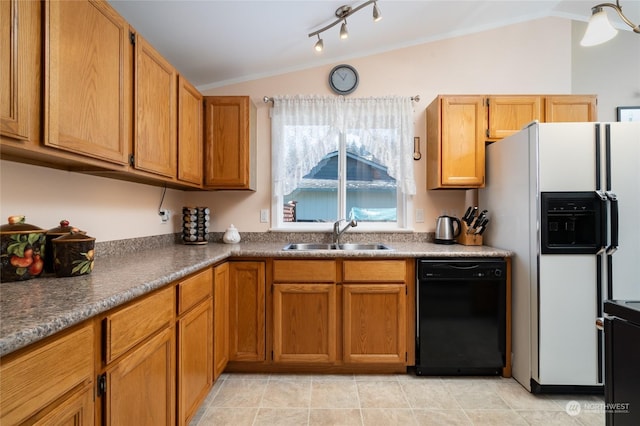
(195, 225)
(73, 254)
(22, 250)
(232, 235)
(52, 233)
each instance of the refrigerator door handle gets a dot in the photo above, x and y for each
(614, 223)
(603, 222)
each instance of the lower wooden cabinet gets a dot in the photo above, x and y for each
(304, 323)
(246, 311)
(50, 382)
(375, 311)
(76, 410)
(340, 313)
(195, 343)
(375, 323)
(220, 319)
(141, 385)
(139, 378)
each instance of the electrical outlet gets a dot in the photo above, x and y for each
(419, 216)
(164, 215)
(264, 216)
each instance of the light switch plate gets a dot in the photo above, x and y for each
(419, 216)
(264, 216)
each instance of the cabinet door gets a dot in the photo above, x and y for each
(570, 108)
(509, 114)
(76, 410)
(140, 388)
(374, 323)
(195, 359)
(155, 112)
(455, 142)
(189, 133)
(246, 311)
(304, 323)
(229, 142)
(35, 379)
(87, 94)
(19, 69)
(220, 319)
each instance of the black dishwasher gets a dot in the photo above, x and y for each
(460, 316)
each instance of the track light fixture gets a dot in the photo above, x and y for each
(342, 13)
(600, 29)
(319, 44)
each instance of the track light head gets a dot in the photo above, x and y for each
(376, 13)
(319, 46)
(344, 33)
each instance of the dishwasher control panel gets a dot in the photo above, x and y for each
(470, 269)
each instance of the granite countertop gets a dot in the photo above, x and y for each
(34, 309)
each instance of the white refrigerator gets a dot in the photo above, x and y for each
(565, 198)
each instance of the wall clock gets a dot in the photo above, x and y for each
(343, 79)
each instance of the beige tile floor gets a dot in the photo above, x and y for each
(402, 399)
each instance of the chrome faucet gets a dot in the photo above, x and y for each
(336, 229)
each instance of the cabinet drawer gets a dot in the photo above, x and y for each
(34, 379)
(374, 270)
(194, 289)
(302, 271)
(129, 326)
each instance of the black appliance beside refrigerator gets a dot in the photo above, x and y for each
(622, 362)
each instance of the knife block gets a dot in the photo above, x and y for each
(468, 239)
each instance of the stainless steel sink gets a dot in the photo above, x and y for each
(358, 246)
(346, 246)
(309, 246)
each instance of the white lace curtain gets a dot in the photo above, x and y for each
(304, 129)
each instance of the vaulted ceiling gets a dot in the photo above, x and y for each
(219, 42)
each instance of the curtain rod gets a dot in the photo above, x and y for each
(268, 99)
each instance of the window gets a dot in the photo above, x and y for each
(342, 158)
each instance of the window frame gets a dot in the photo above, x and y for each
(404, 205)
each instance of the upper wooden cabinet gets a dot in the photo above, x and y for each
(190, 128)
(230, 143)
(570, 108)
(155, 94)
(87, 80)
(20, 50)
(509, 114)
(455, 142)
(458, 126)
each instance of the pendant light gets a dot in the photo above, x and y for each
(600, 29)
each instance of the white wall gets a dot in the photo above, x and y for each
(533, 57)
(512, 59)
(614, 65)
(106, 209)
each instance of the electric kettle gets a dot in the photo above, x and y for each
(446, 232)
